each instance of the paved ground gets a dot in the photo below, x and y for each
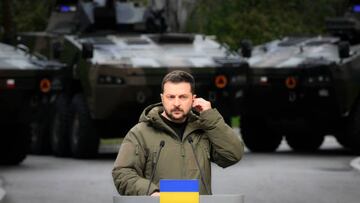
(2, 191)
(354, 163)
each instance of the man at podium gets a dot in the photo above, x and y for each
(175, 139)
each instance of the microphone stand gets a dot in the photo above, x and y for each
(162, 144)
(198, 165)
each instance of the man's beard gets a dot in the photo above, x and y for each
(169, 114)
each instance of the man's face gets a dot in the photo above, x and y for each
(177, 100)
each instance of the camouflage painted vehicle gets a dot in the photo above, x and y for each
(25, 82)
(304, 88)
(115, 74)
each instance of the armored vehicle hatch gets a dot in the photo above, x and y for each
(79, 17)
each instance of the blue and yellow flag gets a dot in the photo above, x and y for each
(179, 191)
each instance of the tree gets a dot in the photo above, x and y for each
(262, 20)
(7, 21)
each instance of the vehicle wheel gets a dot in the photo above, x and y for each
(305, 141)
(353, 128)
(40, 130)
(15, 145)
(258, 137)
(84, 141)
(60, 143)
(341, 135)
(343, 140)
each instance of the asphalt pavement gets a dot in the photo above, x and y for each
(355, 163)
(2, 191)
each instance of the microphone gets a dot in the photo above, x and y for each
(162, 144)
(198, 165)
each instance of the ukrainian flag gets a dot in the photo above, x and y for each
(179, 191)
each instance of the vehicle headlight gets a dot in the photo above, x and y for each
(110, 80)
(319, 79)
(238, 80)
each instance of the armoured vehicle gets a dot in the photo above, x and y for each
(117, 53)
(26, 82)
(304, 88)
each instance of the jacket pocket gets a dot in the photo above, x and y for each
(150, 161)
(204, 145)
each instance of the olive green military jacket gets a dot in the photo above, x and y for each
(213, 140)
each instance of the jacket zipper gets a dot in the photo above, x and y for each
(183, 160)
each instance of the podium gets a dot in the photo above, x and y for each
(203, 199)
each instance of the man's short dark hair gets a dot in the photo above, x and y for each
(178, 76)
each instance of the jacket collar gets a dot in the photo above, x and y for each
(151, 115)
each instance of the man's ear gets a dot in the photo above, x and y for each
(161, 97)
(194, 96)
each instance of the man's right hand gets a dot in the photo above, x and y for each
(155, 194)
(201, 105)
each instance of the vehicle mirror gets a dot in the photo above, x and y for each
(56, 49)
(246, 48)
(87, 50)
(344, 49)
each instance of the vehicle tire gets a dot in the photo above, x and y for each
(60, 141)
(15, 144)
(84, 142)
(353, 128)
(304, 141)
(343, 140)
(257, 135)
(341, 135)
(40, 130)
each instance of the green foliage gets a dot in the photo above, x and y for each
(261, 20)
(31, 15)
